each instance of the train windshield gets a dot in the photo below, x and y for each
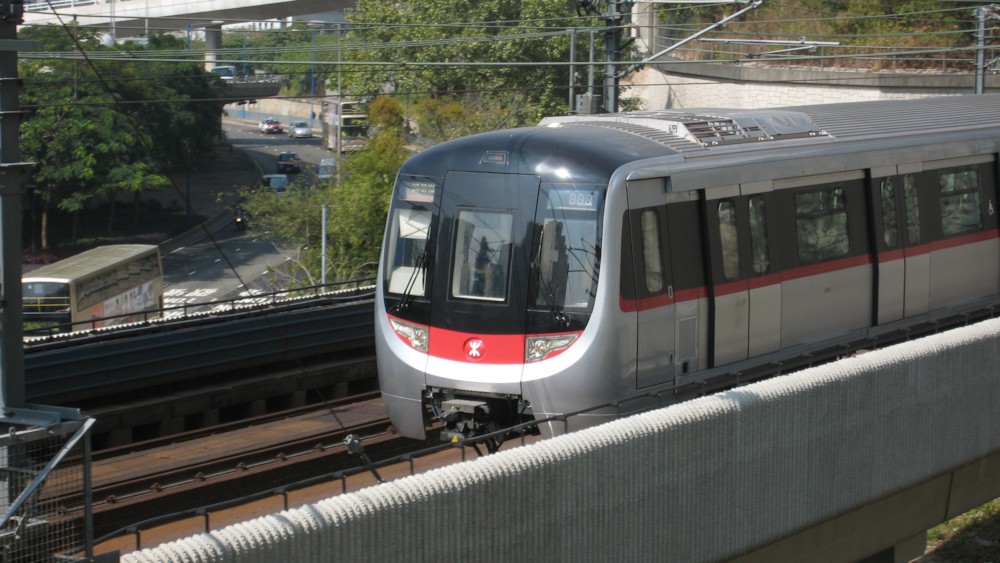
(482, 254)
(409, 232)
(567, 253)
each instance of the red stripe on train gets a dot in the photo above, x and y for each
(633, 305)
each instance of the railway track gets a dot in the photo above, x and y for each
(240, 447)
(168, 475)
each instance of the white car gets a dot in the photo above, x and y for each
(327, 168)
(299, 129)
(277, 183)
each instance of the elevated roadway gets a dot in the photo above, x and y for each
(131, 18)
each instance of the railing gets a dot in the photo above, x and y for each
(353, 445)
(45, 304)
(870, 58)
(43, 6)
(39, 468)
(346, 289)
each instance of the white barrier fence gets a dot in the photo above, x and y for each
(707, 480)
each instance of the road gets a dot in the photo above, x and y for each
(208, 272)
(265, 148)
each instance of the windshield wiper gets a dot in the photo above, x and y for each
(547, 291)
(420, 268)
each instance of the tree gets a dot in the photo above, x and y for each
(358, 206)
(287, 53)
(874, 24)
(361, 200)
(463, 38)
(92, 125)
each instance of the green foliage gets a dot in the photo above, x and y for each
(291, 53)
(455, 31)
(357, 207)
(440, 118)
(973, 536)
(871, 24)
(100, 129)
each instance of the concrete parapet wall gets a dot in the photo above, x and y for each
(283, 109)
(707, 480)
(706, 85)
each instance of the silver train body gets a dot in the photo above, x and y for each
(534, 272)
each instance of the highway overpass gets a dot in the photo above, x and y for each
(132, 18)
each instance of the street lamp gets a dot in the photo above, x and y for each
(312, 80)
(314, 27)
(326, 209)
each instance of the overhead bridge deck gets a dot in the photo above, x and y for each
(73, 369)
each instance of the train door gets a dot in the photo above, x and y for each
(746, 292)
(902, 263)
(481, 249)
(764, 291)
(726, 220)
(652, 296)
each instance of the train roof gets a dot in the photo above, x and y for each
(88, 262)
(693, 130)
(589, 148)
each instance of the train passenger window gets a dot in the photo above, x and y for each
(758, 235)
(482, 255)
(821, 224)
(890, 224)
(912, 204)
(728, 236)
(960, 208)
(652, 263)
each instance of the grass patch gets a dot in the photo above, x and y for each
(973, 536)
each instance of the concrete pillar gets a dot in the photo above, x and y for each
(119, 437)
(172, 426)
(257, 408)
(213, 43)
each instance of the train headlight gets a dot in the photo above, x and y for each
(540, 347)
(415, 335)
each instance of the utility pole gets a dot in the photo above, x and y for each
(13, 175)
(983, 13)
(617, 15)
(613, 31)
(27, 431)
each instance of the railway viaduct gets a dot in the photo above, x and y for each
(131, 18)
(846, 462)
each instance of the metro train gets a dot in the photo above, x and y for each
(653, 256)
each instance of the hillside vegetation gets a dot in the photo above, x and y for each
(871, 34)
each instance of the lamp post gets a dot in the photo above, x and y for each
(322, 274)
(314, 26)
(312, 80)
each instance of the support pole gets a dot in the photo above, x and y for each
(13, 174)
(326, 209)
(980, 48)
(612, 50)
(213, 44)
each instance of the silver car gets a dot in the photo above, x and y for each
(299, 129)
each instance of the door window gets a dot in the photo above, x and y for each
(482, 255)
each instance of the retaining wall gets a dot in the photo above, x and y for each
(683, 84)
(707, 480)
